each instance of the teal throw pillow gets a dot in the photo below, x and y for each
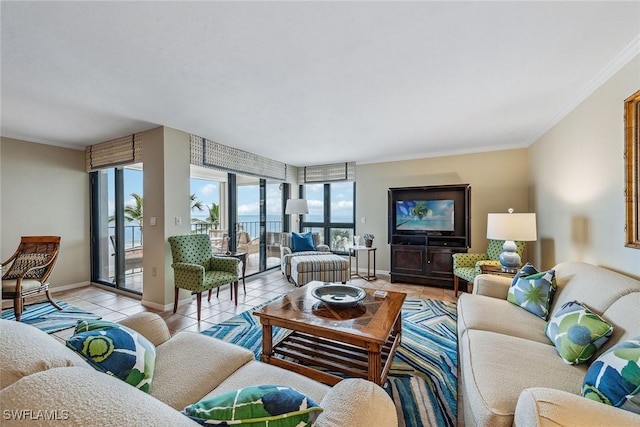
(116, 350)
(302, 242)
(259, 406)
(614, 377)
(534, 293)
(577, 332)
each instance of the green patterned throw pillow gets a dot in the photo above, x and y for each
(577, 332)
(534, 293)
(116, 350)
(256, 406)
(614, 377)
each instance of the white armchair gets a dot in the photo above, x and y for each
(286, 251)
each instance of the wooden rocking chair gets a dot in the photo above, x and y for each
(32, 265)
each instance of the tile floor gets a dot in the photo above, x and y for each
(115, 306)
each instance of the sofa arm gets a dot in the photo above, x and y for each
(323, 248)
(544, 407)
(150, 325)
(491, 285)
(357, 403)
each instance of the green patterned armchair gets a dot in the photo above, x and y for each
(468, 266)
(196, 269)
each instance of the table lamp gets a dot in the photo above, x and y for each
(510, 227)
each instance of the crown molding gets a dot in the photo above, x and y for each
(626, 55)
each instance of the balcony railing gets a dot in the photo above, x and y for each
(251, 227)
(132, 235)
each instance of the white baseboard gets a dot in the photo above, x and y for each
(55, 289)
(165, 307)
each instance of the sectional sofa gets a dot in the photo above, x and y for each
(512, 373)
(45, 383)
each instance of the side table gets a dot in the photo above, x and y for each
(494, 269)
(242, 256)
(353, 252)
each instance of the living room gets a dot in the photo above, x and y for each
(570, 171)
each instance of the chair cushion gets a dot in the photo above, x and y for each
(302, 242)
(214, 279)
(577, 332)
(614, 377)
(259, 406)
(116, 350)
(9, 286)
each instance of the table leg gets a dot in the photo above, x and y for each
(375, 365)
(267, 349)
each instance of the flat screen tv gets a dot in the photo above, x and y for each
(425, 215)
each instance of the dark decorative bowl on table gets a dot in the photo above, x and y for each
(339, 295)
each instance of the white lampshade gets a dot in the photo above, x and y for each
(296, 207)
(512, 226)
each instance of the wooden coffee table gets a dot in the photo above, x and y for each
(357, 341)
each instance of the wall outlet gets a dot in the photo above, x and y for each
(178, 220)
(363, 220)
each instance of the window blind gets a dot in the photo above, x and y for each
(116, 152)
(213, 155)
(327, 173)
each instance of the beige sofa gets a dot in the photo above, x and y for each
(44, 383)
(511, 373)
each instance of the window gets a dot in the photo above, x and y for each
(331, 212)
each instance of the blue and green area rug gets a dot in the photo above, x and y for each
(423, 378)
(46, 317)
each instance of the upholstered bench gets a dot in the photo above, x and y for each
(324, 267)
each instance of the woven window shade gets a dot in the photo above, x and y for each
(213, 155)
(327, 173)
(117, 152)
(292, 174)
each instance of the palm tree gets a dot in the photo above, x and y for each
(132, 213)
(196, 204)
(214, 214)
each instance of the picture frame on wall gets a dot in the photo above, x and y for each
(632, 169)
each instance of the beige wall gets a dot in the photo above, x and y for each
(45, 191)
(166, 197)
(499, 180)
(577, 181)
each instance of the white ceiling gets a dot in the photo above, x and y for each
(308, 82)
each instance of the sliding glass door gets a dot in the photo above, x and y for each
(117, 227)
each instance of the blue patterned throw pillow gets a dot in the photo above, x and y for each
(534, 293)
(116, 350)
(577, 332)
(302, 242)
(527, 270)
(256, 406)
(614, 377)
